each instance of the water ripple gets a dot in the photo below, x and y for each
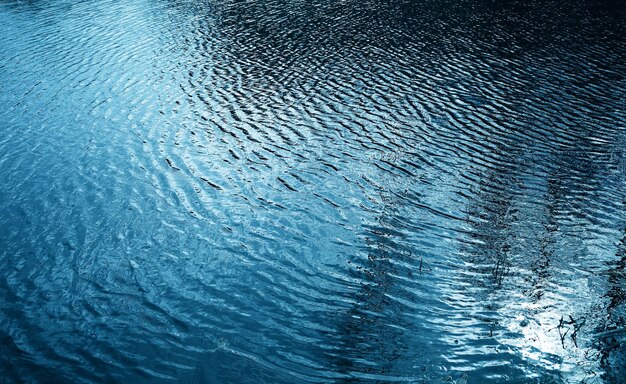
(287, 191)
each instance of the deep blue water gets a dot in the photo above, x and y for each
(276, 191)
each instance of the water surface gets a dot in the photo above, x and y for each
(276, 191)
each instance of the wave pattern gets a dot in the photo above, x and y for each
(289, 191)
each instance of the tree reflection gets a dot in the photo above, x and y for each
(371, 337)
(549, 235)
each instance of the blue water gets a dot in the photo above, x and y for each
(282, 191)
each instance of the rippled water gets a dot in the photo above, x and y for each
(274, 191)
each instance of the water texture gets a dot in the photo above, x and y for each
(288, 191)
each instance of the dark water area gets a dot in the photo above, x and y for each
(275, 191)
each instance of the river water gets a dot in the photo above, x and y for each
(288, 191)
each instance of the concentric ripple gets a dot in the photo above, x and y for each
(274, 191)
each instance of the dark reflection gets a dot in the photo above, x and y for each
(540, 265)
(498, 231)
(371, 339)
(284, 50)
(493, 219)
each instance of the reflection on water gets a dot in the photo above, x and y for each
(289, 191)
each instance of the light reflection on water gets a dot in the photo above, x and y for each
(287, 191)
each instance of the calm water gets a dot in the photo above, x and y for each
(289, 191)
